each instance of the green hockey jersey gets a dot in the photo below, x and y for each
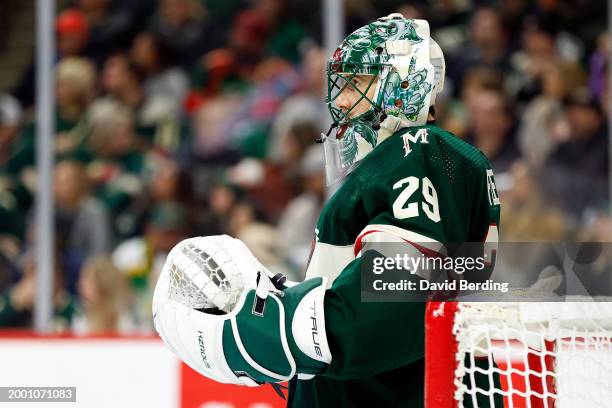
(421, 185)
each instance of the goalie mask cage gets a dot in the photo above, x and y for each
(535, 355)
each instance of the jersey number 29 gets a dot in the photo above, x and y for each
(402, 209)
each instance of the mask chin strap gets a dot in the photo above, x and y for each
(324, 136)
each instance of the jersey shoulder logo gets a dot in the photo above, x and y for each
(492, 188)
(421, 136)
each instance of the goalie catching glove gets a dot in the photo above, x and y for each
(227, 317)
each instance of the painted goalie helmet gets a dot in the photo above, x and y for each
(403, 69)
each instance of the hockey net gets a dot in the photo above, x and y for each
(519, 355)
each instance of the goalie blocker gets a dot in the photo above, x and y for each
(272, 331)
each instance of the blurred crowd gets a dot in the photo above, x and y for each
(177, 118)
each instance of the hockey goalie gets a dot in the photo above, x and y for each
(404, 180)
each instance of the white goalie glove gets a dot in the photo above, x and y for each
(227, 317)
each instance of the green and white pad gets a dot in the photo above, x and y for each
(270, 334)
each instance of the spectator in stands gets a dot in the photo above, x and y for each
(274, 81)
(604, 99)
(248, 225)
(223, 12)
(111, 126)
(539, 50)
(154, 115)
(272, 183)
(598, 62)
(313, 66)
(285, 33)
(17, 302)
(231, 67)
(210, 143)
(584, 156)
(267, 184)
(530, 216)
(241, 215)
(76, 86)
(72, 33)
(116, 163)
(221, 199)
(487, 39)
(454, 114)
(491, 121)
(486, 45)
(543, 124)
(167, 182)
(15, 200)
(161, 79)
(12, 226)
(299, 218)
(413, 10)
(294, 146)
(7, 269)
(248, 36)
(11, 116)
(303, 107)
(75, 89)
(529, 213)
(164, 179)
(513, 14)
(263, 240)
(105, 304)
(111, 26)
(141, 258)
(81, 220)
(181, 26)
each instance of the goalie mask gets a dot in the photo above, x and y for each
(385, 76)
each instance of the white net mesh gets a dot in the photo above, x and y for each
(534, 354)
(203, 275)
